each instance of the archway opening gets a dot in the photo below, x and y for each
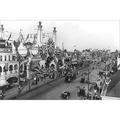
(11, 68)
(0, 70)
(15, 67)
(12, 80)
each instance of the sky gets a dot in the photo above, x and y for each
(74, 34)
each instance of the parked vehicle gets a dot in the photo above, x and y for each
(65, 95)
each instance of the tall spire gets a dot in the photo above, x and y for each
(62, 46)
(40, 32)
(1, 31)
(55, 36)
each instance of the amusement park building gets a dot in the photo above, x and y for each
(8, 62)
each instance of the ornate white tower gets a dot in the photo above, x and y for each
(62, 46)
(2, 31)
(39, 34)
(55, 36)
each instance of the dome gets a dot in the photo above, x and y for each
(22, 49)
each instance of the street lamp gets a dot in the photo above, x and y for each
(88, 79)
(28, 72)
(19, 87)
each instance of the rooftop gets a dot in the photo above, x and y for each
(5, 46)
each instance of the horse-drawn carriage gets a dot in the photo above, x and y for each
(81, 92)
(70, 75)
(65, 95)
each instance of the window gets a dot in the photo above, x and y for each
(5, 69)
(15, 67)
(0, 70)
(9, 57)
(0, 58)
(13, 58)
(10, 68)
(5, 57)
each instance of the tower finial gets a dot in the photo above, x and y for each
(54, 30)
(54, 35)
(2, 28)
(40, 24)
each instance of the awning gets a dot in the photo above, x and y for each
(12, 80)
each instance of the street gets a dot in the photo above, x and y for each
(53, 90)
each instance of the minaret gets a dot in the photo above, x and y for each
(39, 36)
(1, 31)
(55, 36)
(62, 46)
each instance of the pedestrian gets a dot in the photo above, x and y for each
(19, 89)
(2, 94)
(83, 92)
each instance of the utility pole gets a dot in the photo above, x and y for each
(28, 72)
(105, 66)
(62, 46)
(19, 87)
(88, 80)
(104, 81)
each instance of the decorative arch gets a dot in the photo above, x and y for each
(11, 68)
(5, 69)
(12, 80)
(0, 69)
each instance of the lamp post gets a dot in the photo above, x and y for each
(19, 88)
(105, 67)
(104, 81)
(88, 79)
(28, 72)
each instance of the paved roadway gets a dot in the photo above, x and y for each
(53, 91)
